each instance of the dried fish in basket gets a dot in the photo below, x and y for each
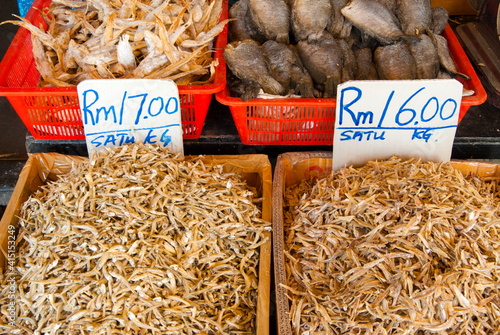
(140, 241)
(107, 39)
(394, 247)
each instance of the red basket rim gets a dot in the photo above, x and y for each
(219, 81)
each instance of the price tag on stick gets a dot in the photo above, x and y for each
(409, 118)
(122, 111)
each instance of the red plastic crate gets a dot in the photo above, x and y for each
(311, 121)
(53, 113)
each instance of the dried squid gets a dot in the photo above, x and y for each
(150, 39)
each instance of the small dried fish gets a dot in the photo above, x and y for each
(138, 241)
(394, 247)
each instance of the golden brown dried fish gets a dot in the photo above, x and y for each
(138, 241)
(394, 247)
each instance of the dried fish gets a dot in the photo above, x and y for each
(426, 57)
(394, 247)
(272, 18)
(339, 26)
(323, 59)
(376, 20)
(415, 16)
(286, 67)
(246, 60)
(444, 55)
(138, 241)
(395, 62)
(365, 65)
(440, 18)
(242, 28)
(357, 27)
(126, 39)
(309, 18)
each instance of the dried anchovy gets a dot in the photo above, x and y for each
(139, 241)
(394, 247)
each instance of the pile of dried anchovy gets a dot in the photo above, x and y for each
(139, 242)
(104, 39)
(394, 247)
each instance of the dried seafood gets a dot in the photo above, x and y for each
(109, 39)
(394, 247)
(139, 242)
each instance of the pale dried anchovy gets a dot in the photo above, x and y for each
(139, 241)
(394, 247)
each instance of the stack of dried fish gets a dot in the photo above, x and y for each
(139, 241)
(152, 39)
(394, 247)
(326, 42)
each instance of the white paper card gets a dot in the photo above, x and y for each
(121, 111)
(409, 118)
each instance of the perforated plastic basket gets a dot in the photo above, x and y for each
(312, 121)
(53, 113)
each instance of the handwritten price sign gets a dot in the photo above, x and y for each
(121, 111)
(409, 118)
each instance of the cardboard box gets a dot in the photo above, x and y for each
(254, 169)
(290, 169)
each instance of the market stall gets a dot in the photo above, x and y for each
(146, 236)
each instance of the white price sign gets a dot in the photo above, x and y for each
(409, 118)
(121, 111)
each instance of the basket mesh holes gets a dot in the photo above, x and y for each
(186, 99)
(68, 115)
(188, 114)
(263, 137)
(189, 129)
(22, 72)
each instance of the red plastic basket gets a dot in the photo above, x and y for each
(53, 113)
(312, 121)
